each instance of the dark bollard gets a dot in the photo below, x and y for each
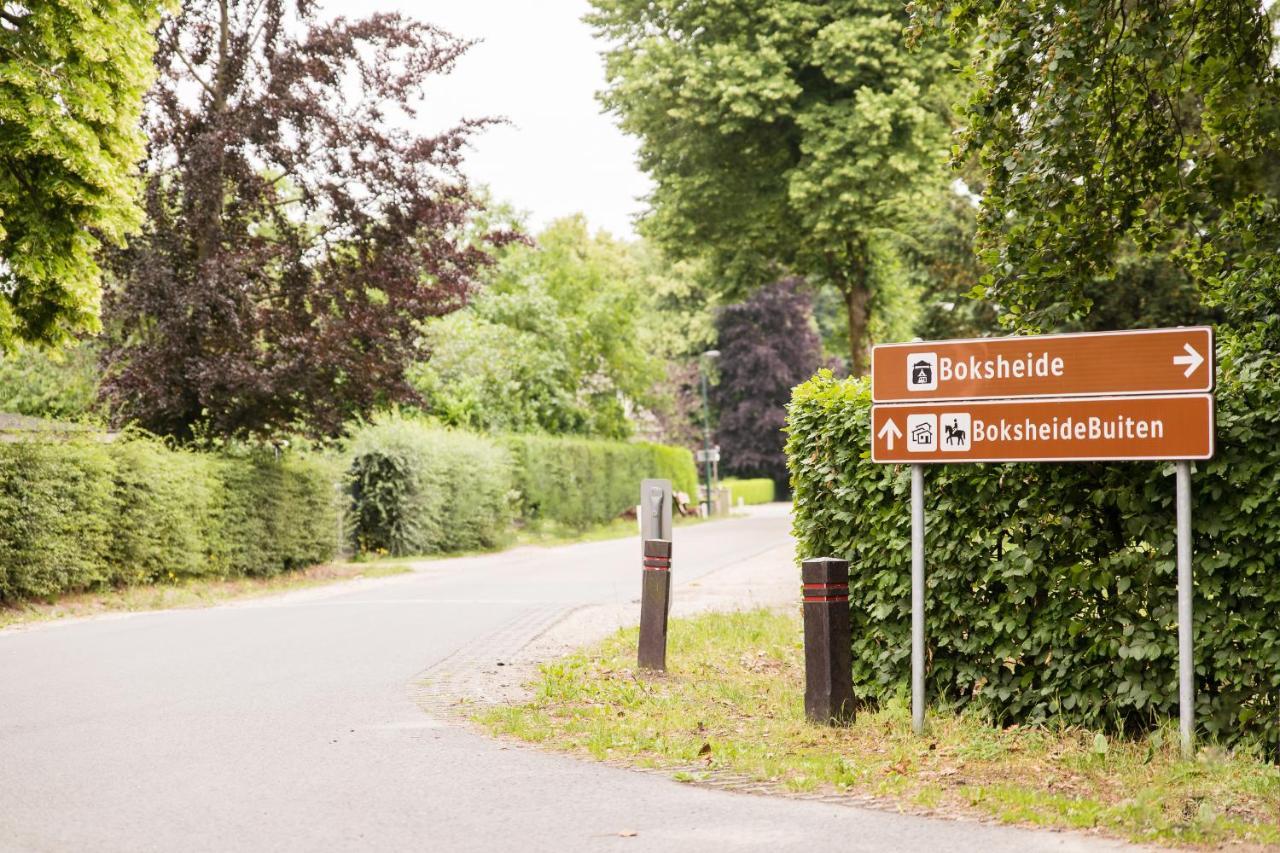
(828, 658)
(655, 602)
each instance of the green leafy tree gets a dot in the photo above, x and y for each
(781, 135)
(72, 77)
(61, 384)
(1114, 132)
(564, 338)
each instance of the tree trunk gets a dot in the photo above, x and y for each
(857, 302)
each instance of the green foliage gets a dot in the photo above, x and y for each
(85, 515)
(782, 133)
(72, 77)
(56, 517)
(1051, 588)
(272, 515)
(62, 384)
(165, 503)
(757, 491)
(565, 338)
(580, 482)
(1101, 126)
(420, 489)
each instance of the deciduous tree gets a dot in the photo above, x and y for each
(782, 134)
(768, 345)
(1112, 129)
(72, 78)
(296, 232)
(564, 338)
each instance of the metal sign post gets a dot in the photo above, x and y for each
(1133, 395)
(917, 598)
(1186, 661)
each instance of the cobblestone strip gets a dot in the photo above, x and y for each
(487, 671)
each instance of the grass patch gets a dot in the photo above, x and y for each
(197, 592)
(733, 701)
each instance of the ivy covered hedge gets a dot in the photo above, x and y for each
(1051, 588)
(86, 515)
(420, 489)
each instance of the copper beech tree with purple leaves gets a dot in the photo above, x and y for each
(296, 231)
(768, 345)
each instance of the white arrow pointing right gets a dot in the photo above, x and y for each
(1192, 359)
(889, 432)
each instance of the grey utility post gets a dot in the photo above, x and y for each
(1186, 662)
(917, 598)
(655, 509)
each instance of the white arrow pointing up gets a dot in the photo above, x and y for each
(1192, 359)
(889, 432)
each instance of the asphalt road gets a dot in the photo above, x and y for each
(296, 723)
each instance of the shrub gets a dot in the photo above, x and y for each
(1052, 588)
(56, 518)
(419, 489)
(757, 491)
(580, 482)
(271, 515)
(164, 501)
(84, 515)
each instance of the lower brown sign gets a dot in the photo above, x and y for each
(1044, 430)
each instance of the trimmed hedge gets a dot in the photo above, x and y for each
(1052, 588)
(85, 515)
(755, 491)
(580, 482)
(419, 489)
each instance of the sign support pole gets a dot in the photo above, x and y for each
(1186, 662)
(917, 598)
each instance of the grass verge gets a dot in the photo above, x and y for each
(733, 702)
(196, 592)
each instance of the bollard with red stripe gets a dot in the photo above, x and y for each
(828, 658)
(655, 603)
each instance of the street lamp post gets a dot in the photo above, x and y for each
(703, 364)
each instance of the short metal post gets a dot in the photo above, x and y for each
(917, 599)
(655, 603)
(1186, 654)
(828, 656)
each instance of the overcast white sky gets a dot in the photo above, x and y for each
(538, 66)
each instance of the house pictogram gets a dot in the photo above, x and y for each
(922, 434)
(922, 371)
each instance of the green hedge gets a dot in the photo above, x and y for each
(419, 489)
(84, 515)
(580, 482)
(1051, 588)
(756, 491)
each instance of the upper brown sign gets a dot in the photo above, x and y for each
(1149, 361)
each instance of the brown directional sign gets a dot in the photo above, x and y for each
(1148, 361)
(1045, 430)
